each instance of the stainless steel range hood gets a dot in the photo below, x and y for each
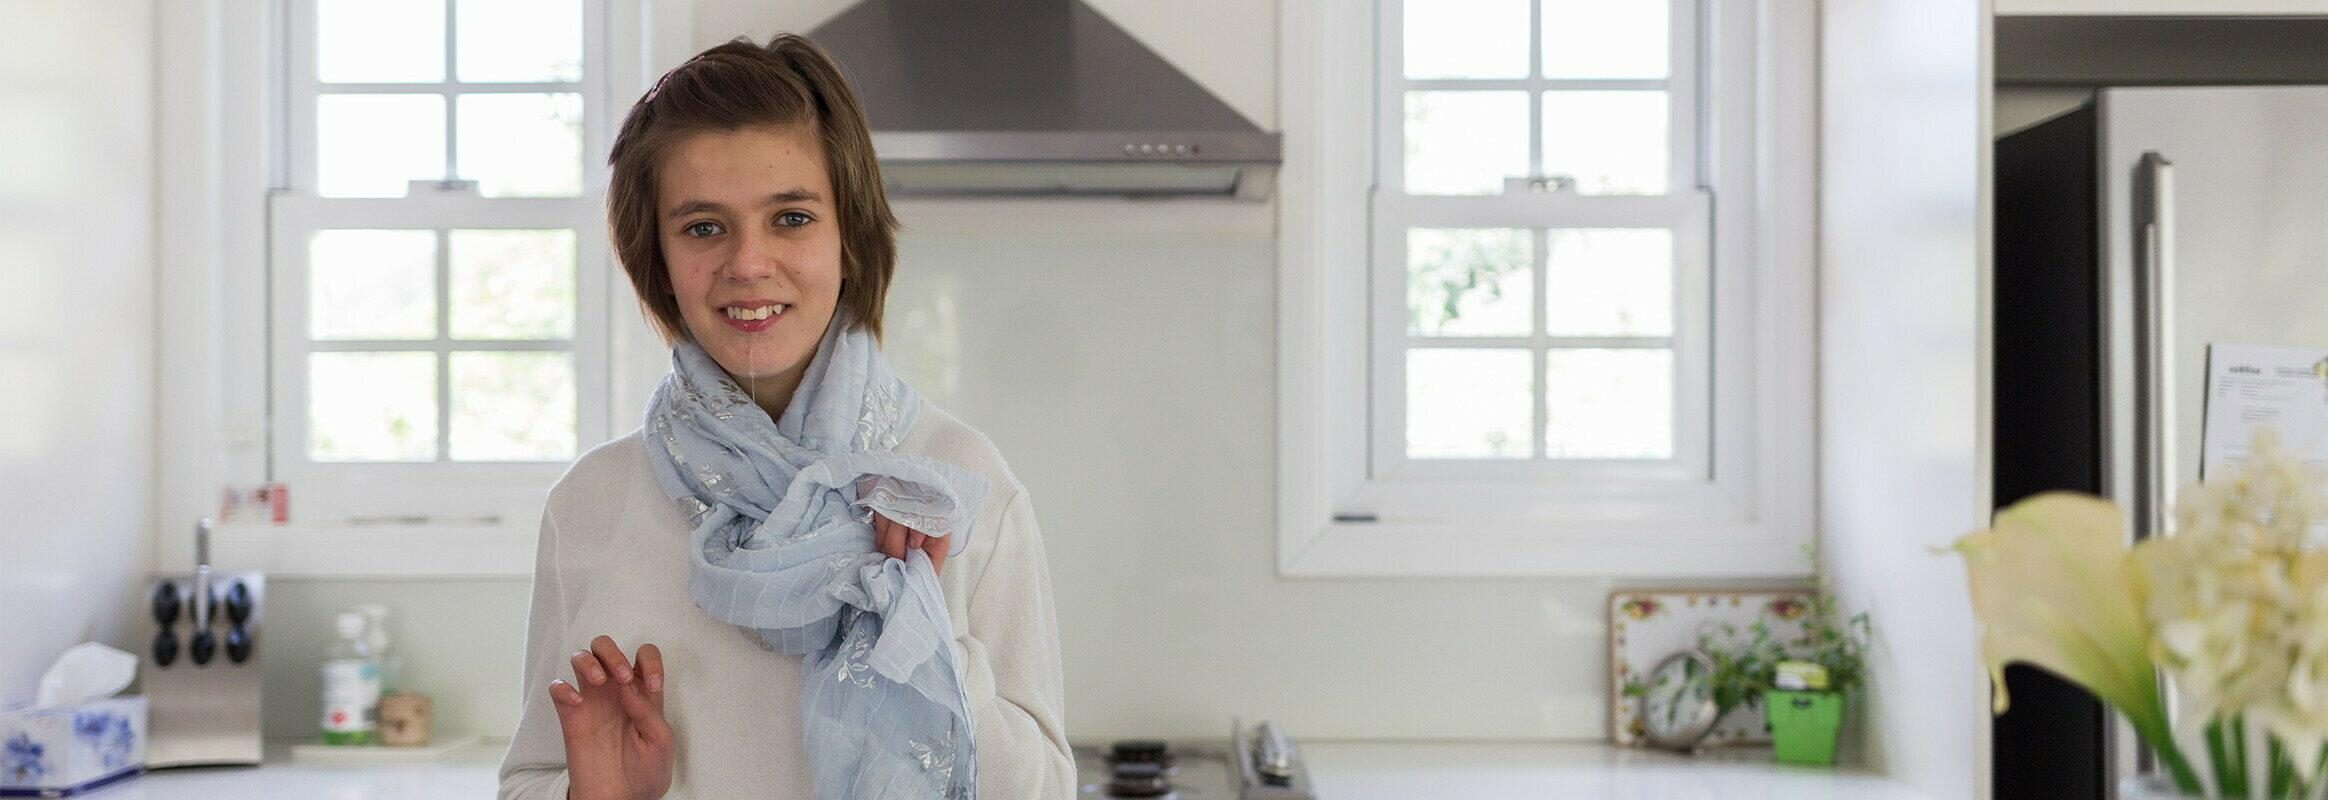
(1037, 97)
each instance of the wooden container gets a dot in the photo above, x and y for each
(404, 719)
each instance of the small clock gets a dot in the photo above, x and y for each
(1678, 708)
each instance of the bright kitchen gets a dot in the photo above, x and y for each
(1459, 388)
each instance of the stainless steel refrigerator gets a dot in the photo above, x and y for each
(2131, 234)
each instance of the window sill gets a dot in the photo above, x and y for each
(1450, 550)
(423, 551)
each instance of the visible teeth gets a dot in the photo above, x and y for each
(762, 312)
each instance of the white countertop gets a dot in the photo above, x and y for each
(469, 772)
(1496, 771)
(1342, 771)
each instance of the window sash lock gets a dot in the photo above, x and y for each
(1539, 184)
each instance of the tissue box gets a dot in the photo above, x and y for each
(53, 752)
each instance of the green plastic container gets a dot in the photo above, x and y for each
(1803, 725)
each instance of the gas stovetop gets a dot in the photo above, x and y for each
(1257, 764)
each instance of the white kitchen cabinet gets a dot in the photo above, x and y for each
(2068, 50)
(2203, 8)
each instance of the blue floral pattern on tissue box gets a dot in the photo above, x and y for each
(106, 733)
(25, 761)
(61, 750)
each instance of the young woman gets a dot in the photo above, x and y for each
(844, 586)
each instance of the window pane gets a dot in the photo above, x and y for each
(512, 284)
(1469, 282)
(1608, 404)
(1606, 39)
(1465, 142)
(1467, 39)
(369, 145)
(1615, 282)
(1468, 403)
(371, 406)
(519, 40)
(371, 285)
(522, 145)
(370, 41)
(512, 406)
(1610, 142)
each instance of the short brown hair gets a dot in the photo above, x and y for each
(789, 83)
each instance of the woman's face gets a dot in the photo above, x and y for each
(752, 240)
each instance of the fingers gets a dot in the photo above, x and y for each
(605, 675)
(931, 545)
(650, 664)
(565, 695)
(587, 669)
(642, 700)
(888, 537)
(894, 540)
(611, 659)
(635, 703)
(936, 548)
(568, 702)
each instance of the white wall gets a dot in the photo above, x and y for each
(1128, 378)
(76, 329)
(1904, 371)
(460, 641)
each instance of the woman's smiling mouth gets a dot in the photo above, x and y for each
(753, 316)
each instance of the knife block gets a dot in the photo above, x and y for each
(202, 683)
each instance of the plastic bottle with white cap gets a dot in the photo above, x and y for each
(351, 686)
(376, 637)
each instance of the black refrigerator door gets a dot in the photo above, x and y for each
(2048, 417)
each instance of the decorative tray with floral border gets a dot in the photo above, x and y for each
(1646, 625)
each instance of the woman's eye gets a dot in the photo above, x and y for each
(702, 229)
(793, 219)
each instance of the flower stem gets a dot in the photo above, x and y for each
(2283, 771)
(2153, 730)
(2227, 750)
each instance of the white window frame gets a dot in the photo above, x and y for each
(444, 490)
(1740, 505)
(224, 110)
(1407, 487)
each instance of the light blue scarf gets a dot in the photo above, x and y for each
(783, 545)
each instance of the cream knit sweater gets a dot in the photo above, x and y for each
(613, 561)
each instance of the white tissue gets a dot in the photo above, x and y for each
(85, 672)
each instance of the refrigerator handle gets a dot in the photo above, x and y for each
(2156, 371)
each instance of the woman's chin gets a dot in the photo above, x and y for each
(746, 362)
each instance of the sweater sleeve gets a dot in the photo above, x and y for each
(1010, 657)
(535, 766)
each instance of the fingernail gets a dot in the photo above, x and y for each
(654, 683)
(623, 676)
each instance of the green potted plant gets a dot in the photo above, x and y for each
(1804, 703)
(1743, 664)
(1799, 683)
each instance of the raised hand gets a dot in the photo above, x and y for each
(617, 744)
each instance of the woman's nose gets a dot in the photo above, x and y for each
(757, 256)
